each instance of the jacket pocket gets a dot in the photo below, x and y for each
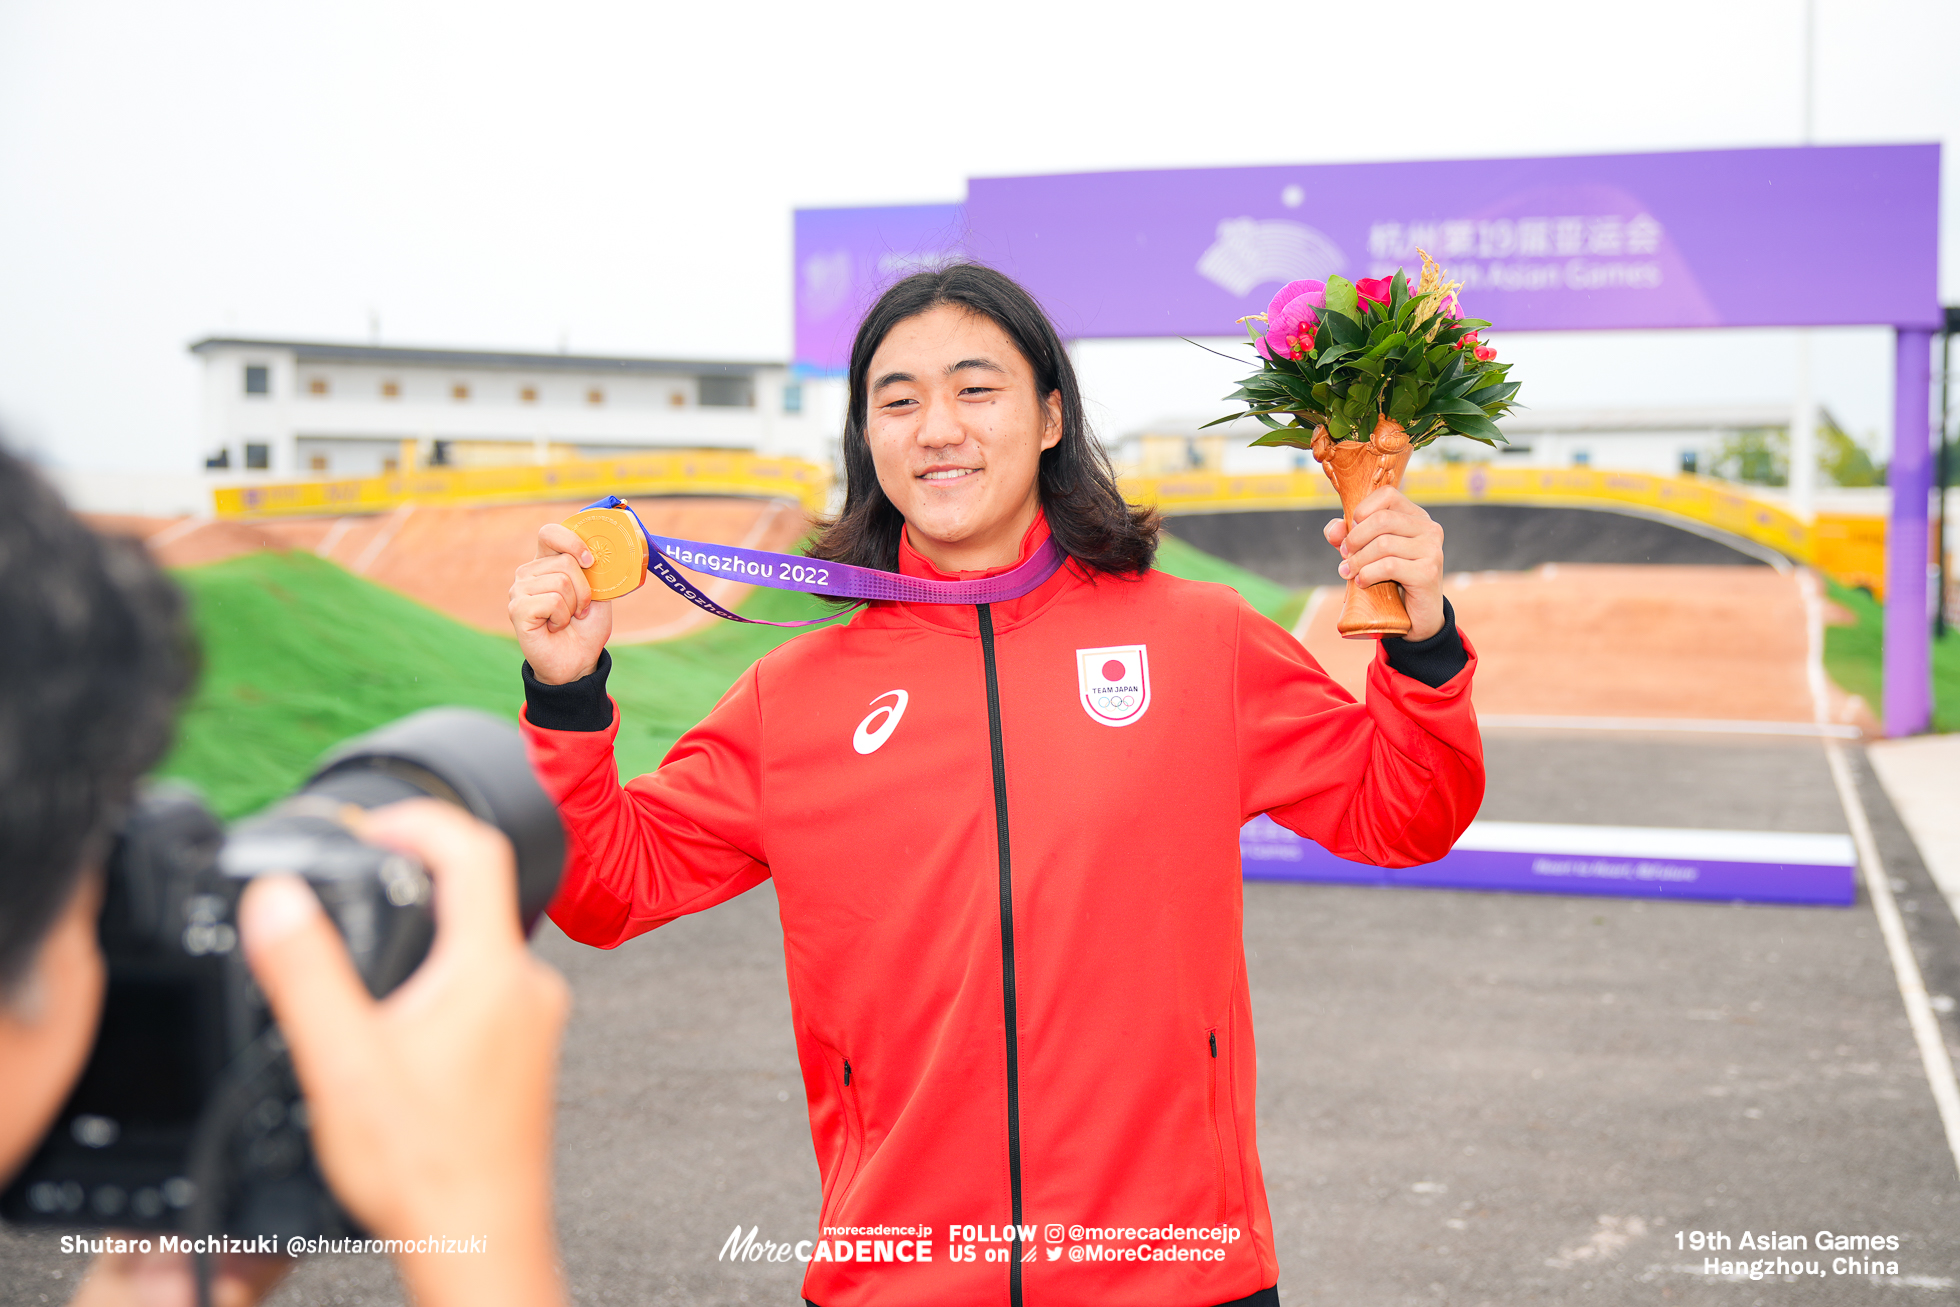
(1224, 1124)
(843, 1083)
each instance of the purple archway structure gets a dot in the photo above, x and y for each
(1802, 237)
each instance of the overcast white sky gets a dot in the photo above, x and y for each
(620, 176)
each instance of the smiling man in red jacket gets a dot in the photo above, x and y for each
(1005, 836)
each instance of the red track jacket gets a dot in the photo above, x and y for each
(1005, 844)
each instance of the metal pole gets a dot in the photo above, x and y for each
(1908, 643)
(1809, 70)
(1942, 469)
(1803, 438)
(1803, 417)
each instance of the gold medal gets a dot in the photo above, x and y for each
(619, 550)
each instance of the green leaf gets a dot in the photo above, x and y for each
(1402, 403)
(1286, 437)
(1492, 394)
(1341, 296)
(1388, 342)
(1345, 330)
(1477, 427)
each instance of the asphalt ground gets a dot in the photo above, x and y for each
(1464, 1098)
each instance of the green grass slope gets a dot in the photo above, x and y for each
(300, 654)
(1855, 658)
(1194, 564)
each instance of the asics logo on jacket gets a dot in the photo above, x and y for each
(878, 725)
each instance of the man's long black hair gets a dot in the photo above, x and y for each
(96, 655)
(1086, 512)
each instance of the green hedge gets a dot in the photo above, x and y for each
(1855, 658)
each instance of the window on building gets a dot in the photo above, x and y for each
(793, 397)
(1690, 461)
(528, 394)
(727, 392)
(439, 454)
(391, 389)
(258, 457)
(317, 463)
(594, 395)
(1582, 458)
(677, 399)
(459, 391)
(220, 459)
(391, 465)
(1514, 449)
(258, 379)
(316, 386)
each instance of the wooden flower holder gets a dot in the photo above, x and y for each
(1358, 468)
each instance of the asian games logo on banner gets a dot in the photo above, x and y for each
(1249, 253)
(1115, 682)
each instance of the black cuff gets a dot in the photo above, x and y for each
(1432, 661)
(579, 705)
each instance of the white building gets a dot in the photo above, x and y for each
(1661, 441)
(284, 409)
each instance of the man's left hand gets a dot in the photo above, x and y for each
(1394, 540)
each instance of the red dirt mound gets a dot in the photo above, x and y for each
(1569, 640)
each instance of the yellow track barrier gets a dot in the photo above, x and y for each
(688, 472)
(1848, 547)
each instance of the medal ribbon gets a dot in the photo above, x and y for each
(832, 580)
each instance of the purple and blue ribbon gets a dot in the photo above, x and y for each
(817, 577)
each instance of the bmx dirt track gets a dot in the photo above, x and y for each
(1575, 612)
(1702, 632)
(460, 560)
(1669, 642)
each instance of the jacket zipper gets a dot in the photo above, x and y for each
(853, 1135)
(1217, 1136)
(1007, 1003)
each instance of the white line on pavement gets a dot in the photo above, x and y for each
(1933, 1054)
(1315, 598)
(1699, 725)
(1792, 848)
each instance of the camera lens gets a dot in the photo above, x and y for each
(464, 757)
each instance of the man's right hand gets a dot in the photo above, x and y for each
(559, 627)
(431, 1109)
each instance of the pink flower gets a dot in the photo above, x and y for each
(1291, 320)
(1485, 353)
(1375, 289)
(1468, 341)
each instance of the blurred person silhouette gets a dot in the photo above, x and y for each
(431, 1109)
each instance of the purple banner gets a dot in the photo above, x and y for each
(1623, 862)
(846, 257)
(1813, 236)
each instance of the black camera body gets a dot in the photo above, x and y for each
(188, 1117)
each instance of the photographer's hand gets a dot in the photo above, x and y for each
(559, 627)
(160, 1279)
(431, 1109)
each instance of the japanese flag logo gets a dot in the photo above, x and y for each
(1115, 682)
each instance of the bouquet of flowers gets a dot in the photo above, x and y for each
(1364, 374)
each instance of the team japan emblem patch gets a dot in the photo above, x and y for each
(1115, 682)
